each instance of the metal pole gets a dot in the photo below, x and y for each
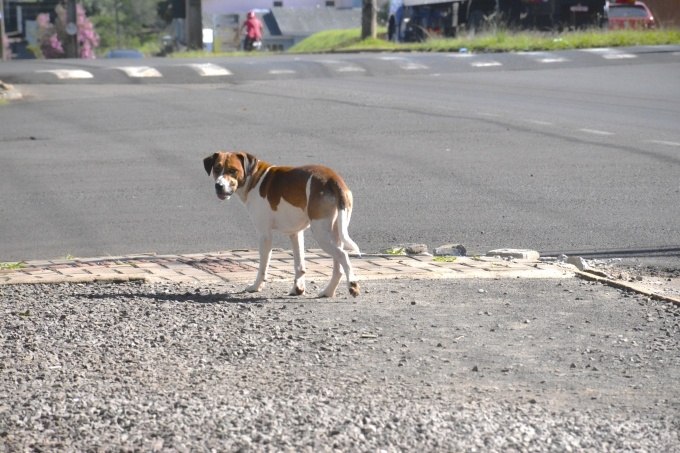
(115, 9)
(3, 57)
(71, 30)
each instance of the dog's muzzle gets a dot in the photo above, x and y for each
(223, 193)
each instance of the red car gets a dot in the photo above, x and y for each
(624, 14)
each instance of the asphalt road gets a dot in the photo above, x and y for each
(578, 155)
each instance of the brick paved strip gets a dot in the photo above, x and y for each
(240, 266)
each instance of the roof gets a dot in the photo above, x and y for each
(423, 2)
(304, 22)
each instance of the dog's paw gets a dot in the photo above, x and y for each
(255, 288)
(354, 289)
(297, 290)
(326, 293)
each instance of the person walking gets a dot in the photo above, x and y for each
(254, 28)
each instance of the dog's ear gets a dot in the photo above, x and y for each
(248, 162)
(208, 163)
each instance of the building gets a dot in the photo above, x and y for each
(19, 22)
(242, 6)
(286, 21)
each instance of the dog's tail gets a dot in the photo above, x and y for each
(344, 215)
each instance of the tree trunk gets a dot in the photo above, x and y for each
(194, 24)
(369, 19)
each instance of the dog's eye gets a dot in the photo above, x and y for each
(231, 172)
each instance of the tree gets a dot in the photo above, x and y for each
(369, 22)
(53, 37)
(125, 23)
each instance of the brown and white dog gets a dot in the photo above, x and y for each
(289, 200)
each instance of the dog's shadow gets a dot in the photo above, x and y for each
(217, 298)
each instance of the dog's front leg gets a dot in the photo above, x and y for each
(298, 241)
(265, 256)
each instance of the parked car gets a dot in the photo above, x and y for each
(124, 53)
(623, 14)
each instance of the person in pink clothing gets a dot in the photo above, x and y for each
(254, 28)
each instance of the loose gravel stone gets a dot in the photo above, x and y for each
(87, 367)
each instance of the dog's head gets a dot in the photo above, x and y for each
(229, 170)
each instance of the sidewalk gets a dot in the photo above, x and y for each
(241, 266)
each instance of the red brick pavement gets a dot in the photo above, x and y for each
(241, 266)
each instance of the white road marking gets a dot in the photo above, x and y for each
(343, 66)
(664, 142)
(539, 122)
(281, 71)
(412, 66)
(350, 69)
(70, 73)
(139, 72)
(486, 64)
(406, 64)
(610, 54)
(553, 60)
(488, 114)
(209, 70)
(544, 57)
(596, 132)
(618, 56)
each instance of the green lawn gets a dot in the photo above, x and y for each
(491, 41)
(497, 41)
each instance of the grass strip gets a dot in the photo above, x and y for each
(491, 41)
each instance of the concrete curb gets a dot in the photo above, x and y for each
(8, 92)
(596, 277)
(240, 266)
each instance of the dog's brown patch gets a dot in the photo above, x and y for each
(285, 182)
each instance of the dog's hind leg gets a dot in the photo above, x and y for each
(329, 291)
(328, 237)
(298, 241)
(342, 223)
(265, 256)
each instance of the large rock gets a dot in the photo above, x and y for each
(450, 250)
(516, 254)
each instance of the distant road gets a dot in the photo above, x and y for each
(265, 67)
(558, 152)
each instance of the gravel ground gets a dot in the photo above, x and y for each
(448, 365)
